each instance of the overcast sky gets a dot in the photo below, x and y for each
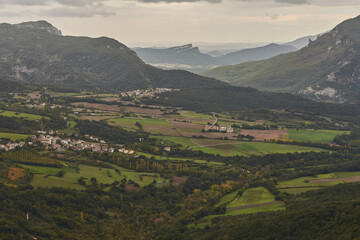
(185, 21)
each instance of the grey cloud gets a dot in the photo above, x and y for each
(179, 1)
(65, 8)
(24, 2)
(84, 12)
(293, 1)
(77, 3)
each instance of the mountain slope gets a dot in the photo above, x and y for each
(302, 42)
(255, 54)
(327, 69)
(182, 57)
(37, 53)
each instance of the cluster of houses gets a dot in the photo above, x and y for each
(12, 145)
(59, 144)
(42, 105)
(147, 92)
(216, 128)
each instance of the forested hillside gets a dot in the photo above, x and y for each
(32, 54)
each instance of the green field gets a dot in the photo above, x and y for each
(67, 94)
(184, 141)
(195, 115)
(70, 128)
(101, 174)
(181, 160)
(304, 184)
(154, 126)
(254, 148)
(14, 136)
(315, 136)
(233, 148)
(252, 196)
(22, 115)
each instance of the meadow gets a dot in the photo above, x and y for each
(45, 176)
(14, 136)
(233, 148)
(253, 200)
(314, 136)
(154, 126)
(304, 184)
(22, 115)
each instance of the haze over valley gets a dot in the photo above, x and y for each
(179, 119)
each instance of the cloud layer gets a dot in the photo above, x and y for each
(63, 8)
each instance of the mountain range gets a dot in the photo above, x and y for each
(190, 58)
(327, 69)
(184, 57)
(36, 52)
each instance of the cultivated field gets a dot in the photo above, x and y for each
(315, 136)
(22, 115)
(304, 184)
(44, 176)
(263, 135)
(253, 200)
(154, 126)
(14, 136)
(233, 148)
(99, 106)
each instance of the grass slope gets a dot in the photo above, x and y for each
(14, 136)
(101, 174)
(22, 115)
(304, 184)
(250, 197)
(314, 136)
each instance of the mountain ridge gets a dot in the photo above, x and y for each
(35, 55)
(327, 69)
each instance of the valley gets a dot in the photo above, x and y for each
(97, 144)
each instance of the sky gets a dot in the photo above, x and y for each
(185, 21)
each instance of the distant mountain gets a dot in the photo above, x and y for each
(184, 57)
(302, 42)
(327, 69)
(255, 54)
(36, 52)
(188, 57)
(219, 53)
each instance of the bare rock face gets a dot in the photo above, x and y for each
(41, 25)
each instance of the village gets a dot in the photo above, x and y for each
(60, 142)
(140, 93)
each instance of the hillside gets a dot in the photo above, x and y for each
(35, 52)
(302, 42)
(181, 57)
(254, 54)
(327, 69)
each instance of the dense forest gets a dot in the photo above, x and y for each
(237, 99)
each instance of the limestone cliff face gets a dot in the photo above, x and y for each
(41, 25)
